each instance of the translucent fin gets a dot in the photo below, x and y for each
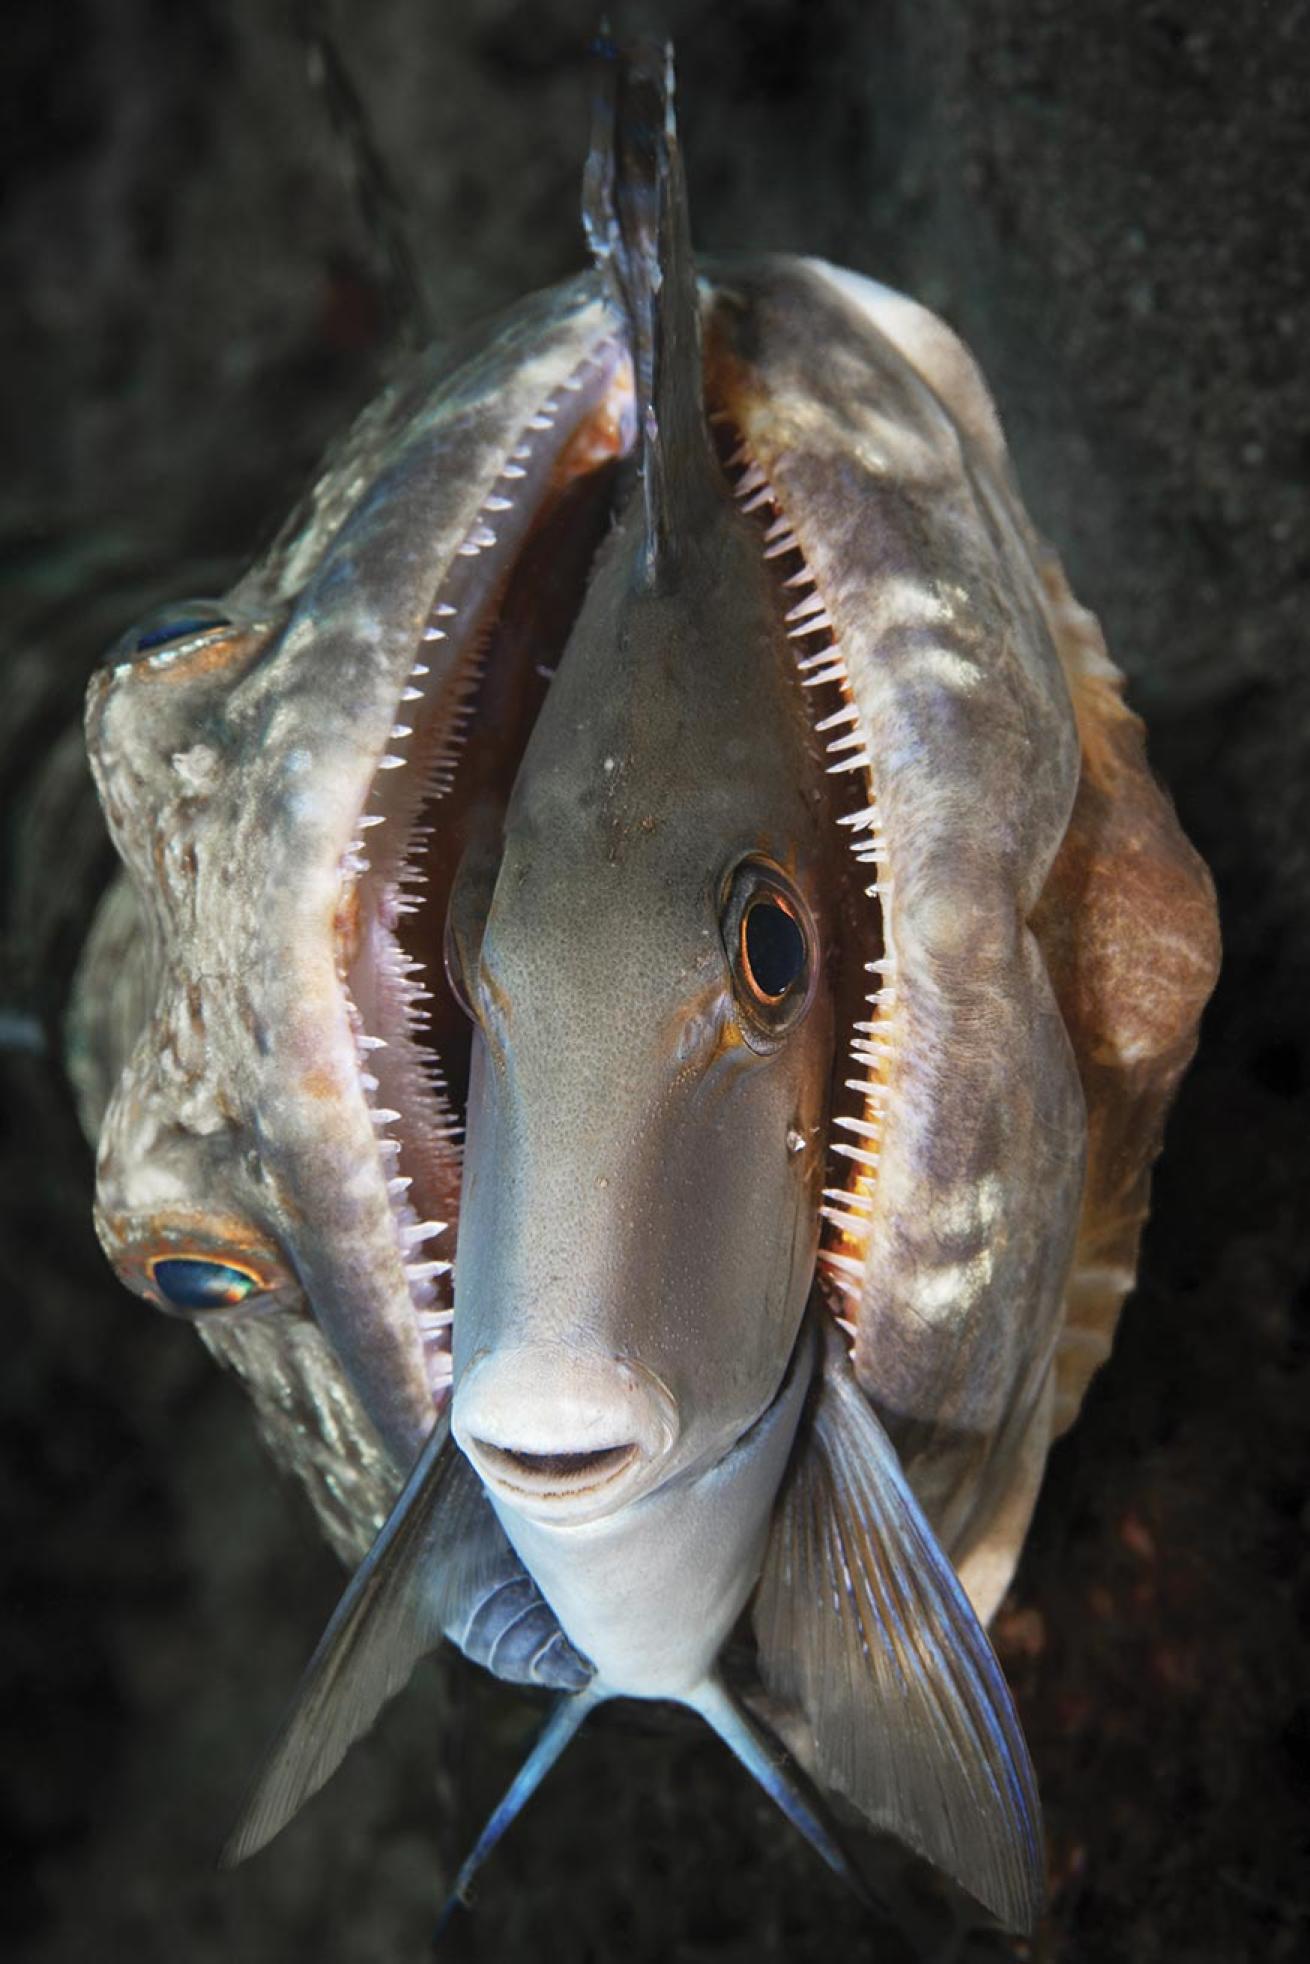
(767, 1761)
(551, 1741)
(440, 1566)
(862, 1624)
(635, 213)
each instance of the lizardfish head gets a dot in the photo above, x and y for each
(645, 961)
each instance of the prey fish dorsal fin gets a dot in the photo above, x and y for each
(441, 1566)
(862, 1625)
(637, 223)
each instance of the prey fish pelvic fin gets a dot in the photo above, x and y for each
(440, 1566)
(863, 1626)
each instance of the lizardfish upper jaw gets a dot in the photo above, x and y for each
(561, 1436)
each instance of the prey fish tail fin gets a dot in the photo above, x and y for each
(863, 1626)
(568, 1714)
(638, 226)
(441, 1566)
(765, 1759)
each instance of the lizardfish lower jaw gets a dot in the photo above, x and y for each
(562, 1436)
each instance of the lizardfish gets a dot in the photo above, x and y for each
(651, 976)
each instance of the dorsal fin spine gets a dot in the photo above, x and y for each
(635, 212)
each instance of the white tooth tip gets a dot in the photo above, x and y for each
(435, 633)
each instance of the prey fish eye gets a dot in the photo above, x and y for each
(769, 942)
(772, 949)
(676, 1368)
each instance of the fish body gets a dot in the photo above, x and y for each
(669, 760)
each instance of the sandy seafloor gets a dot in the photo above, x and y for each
(1112, 203)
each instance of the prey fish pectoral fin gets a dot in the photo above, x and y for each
(863, 1626)
(441, 1566)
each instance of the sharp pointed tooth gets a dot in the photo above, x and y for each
(802, 578)
(443, 610)
(857, 1226)
(436, 633)
(366, 1042)
(390, 763)
(750, 480)
(812, 604)
(426, 1271)
(512, 470)
(420, 668)
(368, 1080)
(849, 1264)
(764, 497)
(857, 1153)
(401, 730)
(372, 818)
(399, 1185)
(787, 543)
(778, 527)
(846, 1197)
(860, 763)
(816, 625)
(859, 1126)
(540, 423)
(523, 453)
(861, 818)
(837, 673)
(409, 694)
(854, 740)
(848, 713)
(496, 503)
(383, 1115)
(412, 1236)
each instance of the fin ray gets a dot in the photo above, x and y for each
(863, 1626)
(441, 1565)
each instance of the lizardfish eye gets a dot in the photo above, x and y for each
(180, 620)
(770, 944)
(194, 1285)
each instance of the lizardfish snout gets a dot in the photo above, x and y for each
(556, 1433)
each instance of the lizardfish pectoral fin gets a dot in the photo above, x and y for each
(862, 1625)
(441, 1566)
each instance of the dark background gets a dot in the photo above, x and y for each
(1111, 202)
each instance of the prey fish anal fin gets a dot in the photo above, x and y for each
(863, 1626)
(441, 1566)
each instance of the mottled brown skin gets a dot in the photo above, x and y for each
(1128, 927)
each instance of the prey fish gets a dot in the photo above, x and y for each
(650, 982)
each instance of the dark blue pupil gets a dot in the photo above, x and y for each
(176, 627)
(191, 1284)
(774, 947)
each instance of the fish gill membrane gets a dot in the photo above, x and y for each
(657, 828)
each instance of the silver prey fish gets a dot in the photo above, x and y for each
(651, 974)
